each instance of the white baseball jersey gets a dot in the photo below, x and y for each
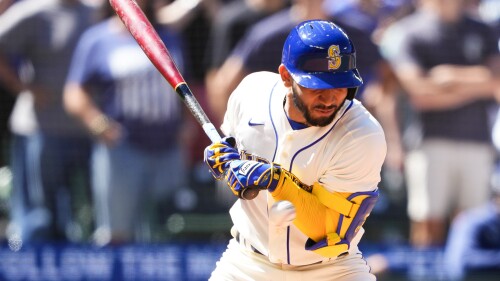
(345, 156)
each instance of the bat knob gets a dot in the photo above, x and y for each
(249, 193)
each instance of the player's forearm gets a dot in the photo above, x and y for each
(459, 73)
(478, 81)
(440, 102)
(427, 95)
(447, 86)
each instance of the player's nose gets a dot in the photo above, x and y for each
(332, 96)
(329, 96)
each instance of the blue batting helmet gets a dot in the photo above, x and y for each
(319, 55)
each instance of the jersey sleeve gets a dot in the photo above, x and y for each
(81, 63)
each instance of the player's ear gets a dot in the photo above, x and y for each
(285, 76)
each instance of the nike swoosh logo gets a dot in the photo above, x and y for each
(252, 124)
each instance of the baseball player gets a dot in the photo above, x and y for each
(314, 152)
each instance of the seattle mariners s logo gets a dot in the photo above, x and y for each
(334, 59)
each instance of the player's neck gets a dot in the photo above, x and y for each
(292, 112)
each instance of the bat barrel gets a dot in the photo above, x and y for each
(148, 39)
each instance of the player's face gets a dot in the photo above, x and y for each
(318, 107)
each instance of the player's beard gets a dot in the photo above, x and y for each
(301, 106)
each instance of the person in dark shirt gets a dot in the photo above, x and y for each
(445, 61)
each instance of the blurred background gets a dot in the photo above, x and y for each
(101, 166)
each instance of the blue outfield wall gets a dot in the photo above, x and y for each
(183, 261)
(169, 261)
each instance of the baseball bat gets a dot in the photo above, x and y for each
(150, 42)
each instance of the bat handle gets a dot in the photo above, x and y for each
(192, 104)
(196, 110)
(211, 132)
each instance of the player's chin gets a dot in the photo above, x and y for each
(321, 121)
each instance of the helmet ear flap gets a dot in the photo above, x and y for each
(351, 93)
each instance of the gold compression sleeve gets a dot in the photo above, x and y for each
(312, 217)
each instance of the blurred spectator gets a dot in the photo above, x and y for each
(370, 15)
(473, 245)
(231, 23)
(192, 20)
(136, 119)
(49, 149)
(447, 63)
(367, 14)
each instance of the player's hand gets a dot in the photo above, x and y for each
(243, 174)
(218, 155)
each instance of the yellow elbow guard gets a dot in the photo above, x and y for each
(329, 219)
(353, 209)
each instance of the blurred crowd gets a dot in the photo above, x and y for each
(96, 146)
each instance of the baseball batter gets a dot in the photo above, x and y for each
(314, 152)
